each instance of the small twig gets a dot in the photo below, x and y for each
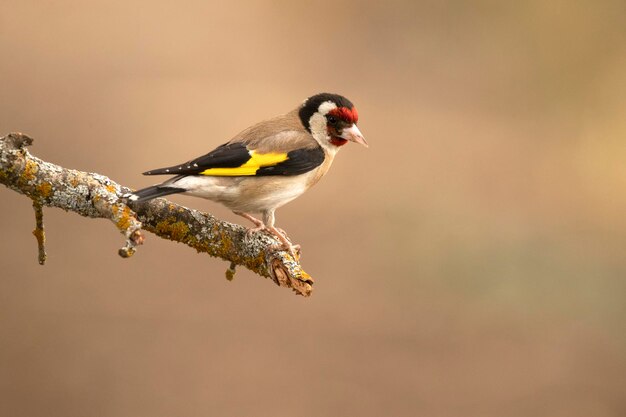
(39, 232)
(230, 272)
(135, 239)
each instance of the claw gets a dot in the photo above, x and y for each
(294, 250)
(253, 230)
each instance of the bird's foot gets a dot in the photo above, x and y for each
(258, 224)
(253, 230)
(280, 234)
(294, 250)
(285, 243)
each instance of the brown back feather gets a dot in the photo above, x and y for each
(283, 133)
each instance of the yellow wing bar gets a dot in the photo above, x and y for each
(252, 165)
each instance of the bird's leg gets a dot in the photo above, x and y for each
(259, 225)
(268, 219)
(281, 231)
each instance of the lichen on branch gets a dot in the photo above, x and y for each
(97, 196)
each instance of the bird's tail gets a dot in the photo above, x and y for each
(151, 192)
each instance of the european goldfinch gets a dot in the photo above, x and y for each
(267, 165)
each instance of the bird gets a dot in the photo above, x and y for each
(268, 164)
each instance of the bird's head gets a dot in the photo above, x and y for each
(331, 119)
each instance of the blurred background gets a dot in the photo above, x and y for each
(469, 263)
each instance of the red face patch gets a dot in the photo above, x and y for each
(345, 114)
(337, 141)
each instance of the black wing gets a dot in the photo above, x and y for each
(229, 160)
(298, 162)
(229, 155)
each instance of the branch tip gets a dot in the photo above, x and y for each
(126, 251)
(287, 272)
(135, 239)
(230, 272)
(17, 140)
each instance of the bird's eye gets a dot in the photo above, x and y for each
(332, 120)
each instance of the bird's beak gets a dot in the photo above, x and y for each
(354, 134)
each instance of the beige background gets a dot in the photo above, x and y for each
(469, 263)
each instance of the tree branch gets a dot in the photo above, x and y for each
(96, 196)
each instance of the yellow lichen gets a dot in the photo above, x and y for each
(124, 221)
(29, 171)
(227, 244)
(259, 261)
(175, 230)
(306, 277)
(111, 188)
(44, 189)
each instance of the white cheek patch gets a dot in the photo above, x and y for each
(325, 107)
(318, 122)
